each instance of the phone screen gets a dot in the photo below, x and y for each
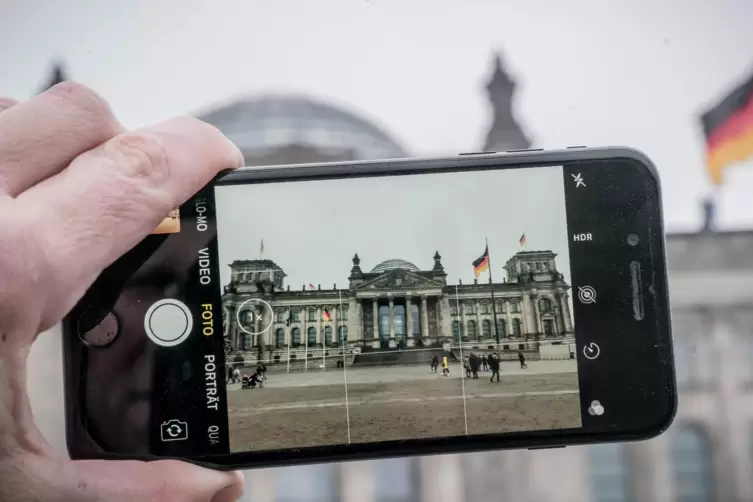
(332, 312)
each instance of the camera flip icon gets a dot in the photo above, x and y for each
(174, 430)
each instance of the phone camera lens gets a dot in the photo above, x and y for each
(633, 239)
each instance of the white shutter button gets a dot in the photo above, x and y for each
(168, 322)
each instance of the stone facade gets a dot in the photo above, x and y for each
(395, 305)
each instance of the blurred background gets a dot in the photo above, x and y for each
(297, 81)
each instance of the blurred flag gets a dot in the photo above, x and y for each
(326, 316)
(523, 241)
(289, 320)
(481, 264)
(311, 286)
(261, 250)
(728, 128)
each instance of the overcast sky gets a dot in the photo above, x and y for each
(591, 72)
(312, 229)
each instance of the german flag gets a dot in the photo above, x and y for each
(481, 264)
(523, 241)
(326, 315)
(729, 130)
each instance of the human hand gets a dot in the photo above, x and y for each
(76, 192)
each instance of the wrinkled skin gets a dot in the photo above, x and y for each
(76, 192)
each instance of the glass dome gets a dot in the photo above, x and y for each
(272, 122)
(394, 264)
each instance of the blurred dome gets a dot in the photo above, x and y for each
(275, 123)
(394, 264)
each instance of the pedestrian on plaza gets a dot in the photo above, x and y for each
(522, 360)
(434, 364)
(475, 363)
(467, 367)
(445, 366)
(230, 376)
(484, 363)
(494, 365)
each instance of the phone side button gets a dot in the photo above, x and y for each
(476, 153)
(580, 146)
(545, 447)
(525, 150)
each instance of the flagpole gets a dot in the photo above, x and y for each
(290, 342)
(306, 352)
(491, 288)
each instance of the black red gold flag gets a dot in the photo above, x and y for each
(523, 241)
(481, 264)
(326, 316)
(728, 128)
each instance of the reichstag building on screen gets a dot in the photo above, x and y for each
(394, 305)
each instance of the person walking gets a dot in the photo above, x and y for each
(522, 360)
(494, 366)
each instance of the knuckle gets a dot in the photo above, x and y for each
(140, 156)
(85, 101)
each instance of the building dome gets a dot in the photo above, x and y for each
(393, 264)
(276, 122)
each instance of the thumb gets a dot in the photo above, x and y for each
(198, 483)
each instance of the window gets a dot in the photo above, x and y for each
(280, 338)
(296, 334)
(500, 307)
(328, 336)
(514, 306)
(469, 308)
(690, 461)
(395, 480)
(343, 313)
(311, 338)
(280, 316)
(343, 334)
(545, 266)
(472, 330)
(609, 472)
(486, 308)
(296, 315)
(486, 329)
(454, 308)
(516, 327)
(312, 315)
(456, 330)
(501, 327)
(545, 305)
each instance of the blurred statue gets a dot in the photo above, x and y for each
(505, 132)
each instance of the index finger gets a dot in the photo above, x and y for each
(110, 198)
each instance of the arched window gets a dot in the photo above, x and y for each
(472, 334)
(311, 338)
(502, 327)
(516, 327)
(280, 315)
(280, 338)
(296, 337)
(343, 334)
(545, 305)
(486, 329)
(610, 474)
(690, 461)
(456, 330)
(486, 308)
(328, 336)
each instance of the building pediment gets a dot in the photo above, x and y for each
(399, 279)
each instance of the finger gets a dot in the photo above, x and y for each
(6, 103)
(110, 198)
(161, 480)
(40, 137)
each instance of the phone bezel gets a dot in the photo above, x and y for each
(458, 444)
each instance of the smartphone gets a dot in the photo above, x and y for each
(357, 310)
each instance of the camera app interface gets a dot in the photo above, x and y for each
(389, 308)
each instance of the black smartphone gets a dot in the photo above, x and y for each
(357, 310)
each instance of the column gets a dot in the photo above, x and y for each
(424, 318)
(525, 311)
(319, 332)
(537, 315)
(477, 308)
(508, 319)
(568, 323)
(408, 321)
(375, 320)
(336, 324)
(463, 325)
(392, 321)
